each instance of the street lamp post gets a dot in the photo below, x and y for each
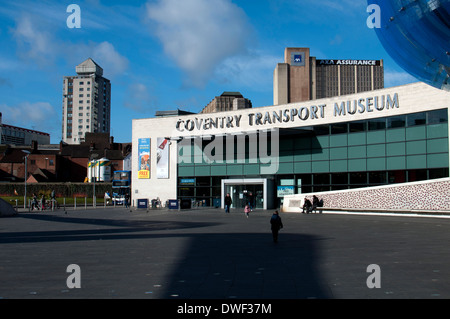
(94, 178)
(94, 199)
(26, 175)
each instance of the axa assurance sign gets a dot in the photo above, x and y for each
(349, 62)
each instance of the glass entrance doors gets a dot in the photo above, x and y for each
(242, 195)
(243, 191)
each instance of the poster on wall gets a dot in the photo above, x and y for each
(162, 158)
(144, 158)
(285, 190)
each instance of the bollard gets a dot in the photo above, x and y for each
(85, 203)
(74, 203)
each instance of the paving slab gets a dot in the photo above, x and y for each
(207, 254)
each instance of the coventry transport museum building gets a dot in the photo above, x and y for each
(381, 137)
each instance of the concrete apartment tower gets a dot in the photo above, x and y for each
(302, 77)
(86, 103)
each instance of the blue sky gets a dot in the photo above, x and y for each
(168, 54)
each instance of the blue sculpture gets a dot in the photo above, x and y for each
(416, 34)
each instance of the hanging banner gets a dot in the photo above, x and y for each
(162, 158)
(144, 158)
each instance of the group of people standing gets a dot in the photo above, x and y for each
(41, 204)
(250, 200)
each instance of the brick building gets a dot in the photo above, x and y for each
(66, 163)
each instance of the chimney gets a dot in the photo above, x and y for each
(34, 146)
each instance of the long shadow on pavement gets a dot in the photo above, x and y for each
(119, 229)
(248, 266)
(214, 265)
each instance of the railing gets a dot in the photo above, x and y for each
(69, 203)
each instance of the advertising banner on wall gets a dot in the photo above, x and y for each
(285, 190)
(162, 158)
(144, 158)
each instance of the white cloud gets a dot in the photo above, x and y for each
(139, 98)
(39, 115)
(253, 70)
(107, 56)
(7, 64)
(199, 34)
(337, 40)
(396, 78)
(343, 6)
(35, 44)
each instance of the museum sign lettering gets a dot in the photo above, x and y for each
(339, 109)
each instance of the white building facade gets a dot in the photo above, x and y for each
(380, 137)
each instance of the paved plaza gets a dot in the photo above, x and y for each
(207, 254)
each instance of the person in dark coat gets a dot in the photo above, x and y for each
(251, 200)
(307, 206)
(127, 199)
(228, 202)
(276, 225)
(315, 204)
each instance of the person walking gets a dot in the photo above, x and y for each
(251, 200)
(247, 210)
(43, 202)
(276, 225)
(34, 202)
(127, 199)
(228, 202)
(107, 198)
(53, 202)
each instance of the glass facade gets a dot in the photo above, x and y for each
(337, 156)
(415, 34)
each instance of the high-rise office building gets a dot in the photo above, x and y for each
(86, 103)
(228, 101)
(302, 77)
